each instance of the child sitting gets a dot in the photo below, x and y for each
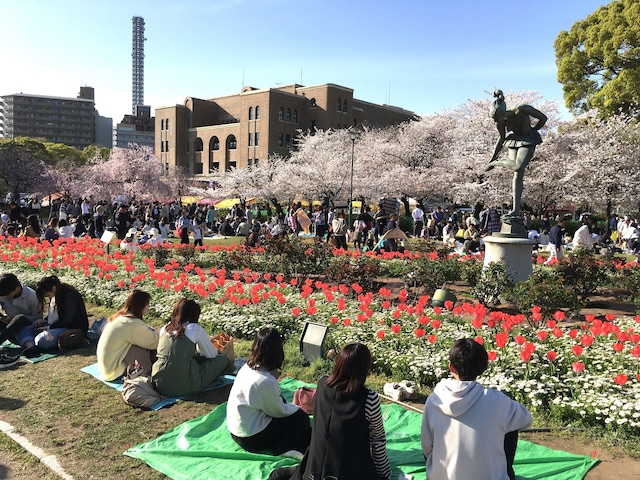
(470, 431)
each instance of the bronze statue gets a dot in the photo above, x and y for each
(516, 133)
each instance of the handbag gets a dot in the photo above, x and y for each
(304, 397)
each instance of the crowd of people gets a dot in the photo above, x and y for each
(461, 429)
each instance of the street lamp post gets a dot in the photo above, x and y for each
(353, 136)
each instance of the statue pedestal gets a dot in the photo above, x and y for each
(511, 250)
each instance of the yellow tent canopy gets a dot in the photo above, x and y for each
(230, 202)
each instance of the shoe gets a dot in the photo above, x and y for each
(295, 454)
(71, 339)
(32, 352)
(394, 391)
(410, 389)
(7, 361)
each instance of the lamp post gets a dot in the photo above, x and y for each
(353, 135)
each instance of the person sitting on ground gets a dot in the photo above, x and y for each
(126, 338)
(33, 228)
(21, 308)
(448, 234)
(64, 229)
(348, 439)
(470, 431)
(66, 312)
(583, 237)
(187, 361)
(51, 232)
(130, 241)
(257, 417)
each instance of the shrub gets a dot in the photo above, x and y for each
(584, 273)
(293, 257)
(432, 274)
(546, 289)
(347, 269)
(493, 283)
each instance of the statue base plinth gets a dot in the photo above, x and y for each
(512, 250)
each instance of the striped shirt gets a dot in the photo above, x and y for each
(377, 436)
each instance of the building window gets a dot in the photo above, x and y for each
(257, 138)
(281, 114)
(288, 140)
(313, 103)
(255, 162)
(214, 166)
(162, 124)
(250, 139)
(344, 106)
(295, 116)
(232, 144)
(166, 124)
(249, 163)
(257, 112)
(162, 146)
(198, 169)
(250, 113)
(166, 145)
(281, 139)
(198, 147)
(288, 114)
(339, 105)
(215, 143)
(231, 166)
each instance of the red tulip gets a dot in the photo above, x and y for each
(492, 356)
(380, 334)
(551, 355)
(419, 332)
(577, 350)
(620, 379)
(542, 335)
(395, 328)
(577, 367)
(501, 339)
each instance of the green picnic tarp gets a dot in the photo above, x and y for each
(203, 449)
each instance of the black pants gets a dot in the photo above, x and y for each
(13, 327)
(280, 436)
(510, 444)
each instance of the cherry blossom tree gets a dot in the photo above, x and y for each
(23, 168)
(135, 173)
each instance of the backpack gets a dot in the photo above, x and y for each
(137, 390)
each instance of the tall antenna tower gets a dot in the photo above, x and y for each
(137, 63)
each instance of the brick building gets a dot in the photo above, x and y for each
(206, 137)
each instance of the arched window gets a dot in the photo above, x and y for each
(232, 144)
(197, 146)
(288, 114)
(295, 116)
(339, 105)
(214, 143)
(257, 112)
(281, 114)
(162, 124)
(250, 113)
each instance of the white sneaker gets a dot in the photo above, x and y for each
(394, 390)
(295, 454)
(410, 389)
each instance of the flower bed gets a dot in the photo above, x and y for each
(587, 372)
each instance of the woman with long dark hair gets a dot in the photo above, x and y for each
(126, 338)
(348, 439)
(257, 416)
(66, 311)
(187, 361)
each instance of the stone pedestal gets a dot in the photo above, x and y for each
(511, 250)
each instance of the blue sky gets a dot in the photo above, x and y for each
(421, 55)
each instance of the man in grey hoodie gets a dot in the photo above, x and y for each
(464, 424)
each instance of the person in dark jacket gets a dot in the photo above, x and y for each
(556, 237)
(66, 312)
(348, 440)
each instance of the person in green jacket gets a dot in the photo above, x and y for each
(187, 361)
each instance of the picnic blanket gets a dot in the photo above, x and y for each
(203, 449)
(12, 349)
(117, 384)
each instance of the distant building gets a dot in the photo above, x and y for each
(207, 137)
(138, 128)
(71, 121)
